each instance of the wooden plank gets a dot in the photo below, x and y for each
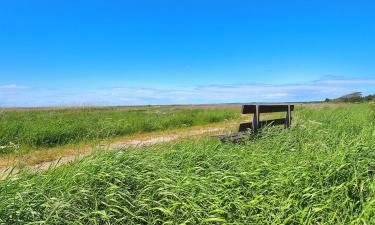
(274, 108)
(248, 109)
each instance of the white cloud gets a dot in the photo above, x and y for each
(11, 86)
(353, 81)
(252, 92)
(127, 99)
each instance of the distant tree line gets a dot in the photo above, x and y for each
(353, 97)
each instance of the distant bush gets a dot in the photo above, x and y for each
(352, 98)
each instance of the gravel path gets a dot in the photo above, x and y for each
(121, 145)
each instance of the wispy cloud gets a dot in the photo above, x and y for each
(354, 81)
(11, 86)
(219, 93)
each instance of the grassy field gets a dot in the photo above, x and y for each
(30, 129)
(321, 171)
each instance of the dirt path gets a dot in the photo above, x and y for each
(44, 159)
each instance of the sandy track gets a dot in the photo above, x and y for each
(149, 139)
(122, 145)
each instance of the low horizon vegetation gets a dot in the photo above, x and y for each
(22, 130)
(321, 171)
(354, 97)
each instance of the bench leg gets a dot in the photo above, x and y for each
(288, 118)
(256, 119)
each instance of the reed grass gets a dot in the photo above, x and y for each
(321, 171)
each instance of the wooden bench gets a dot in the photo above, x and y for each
(257, 109)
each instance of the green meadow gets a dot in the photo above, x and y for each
(40, 128)
(321, 171)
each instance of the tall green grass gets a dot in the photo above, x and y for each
(321, 171)
(49, 128)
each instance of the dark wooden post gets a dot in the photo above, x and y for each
(256, 119)
(288, 119)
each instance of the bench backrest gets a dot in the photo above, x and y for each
(256, 109)
(250, 109)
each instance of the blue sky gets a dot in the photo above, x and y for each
(168, 52)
